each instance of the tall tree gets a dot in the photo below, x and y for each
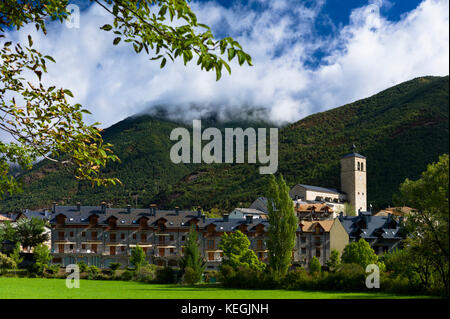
(137, 258)
(428, 227)
(40, 119)
(283, 224)
(192, 258)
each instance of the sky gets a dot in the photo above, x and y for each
(308, 56)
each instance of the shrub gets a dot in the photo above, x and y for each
(190, 276)
(165, 275)
(146, 273)
(314, 265)
(93, 271)
(53, 269)
(114, 267)
(348, 277)
(6, 263)
(82, 266)
(36, 269)
(127, 275)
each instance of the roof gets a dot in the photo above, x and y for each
(81, 216)
(4, 218)
(310, 226)
(233, 223)
(353, 155)
(318, 207)
(320, 189)
(250, 211)
(368, 226)
(398, 211)
(260, 204)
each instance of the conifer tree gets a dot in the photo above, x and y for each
(283, 224)
(192, 258)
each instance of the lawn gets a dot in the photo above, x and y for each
(40, 288)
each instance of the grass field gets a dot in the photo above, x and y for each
(39, 288)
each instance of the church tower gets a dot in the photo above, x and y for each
(353, 179)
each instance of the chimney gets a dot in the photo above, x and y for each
(78, 206)
(225, 217)
(203, 218)
(128, 208)
(341, 215)
(54, 207)
(249, 219)
(359, 212)
(153, 209)
(103, 206)
(199, 211)
(177, 210)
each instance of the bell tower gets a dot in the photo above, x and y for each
(353, 179)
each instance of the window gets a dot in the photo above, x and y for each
(112, 238)
(143, 237)
(211, 244)
(259, 244)
(359, 167)
(303, 239)
(61, 248)
(71, 234)
(83, 234)
(122, 236)
(71, 247)
(134, 236)
(171, 237)
(260, 255)
(362, 166)
(303, 251)
(162, 239)
(94, 235)
(172, 250)
(211, 255)
(122, 248)
(317, 252)
(61, 235)
(183, 238)
(83, 246)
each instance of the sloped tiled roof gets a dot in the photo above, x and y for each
(310, 226)
(320, 189)
(368, 226)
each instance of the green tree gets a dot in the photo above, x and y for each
(41, 254)
(15, 255)
(236, 252)
(137, 258)
(192, 259)
(6, 263)
(31, 232)
(40, 118)
(314, 265)
(428, 227)
(7, 232)
(334, 260)
(359, 253)
(283, 224)
(114, 267)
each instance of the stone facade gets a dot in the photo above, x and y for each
(354, 181)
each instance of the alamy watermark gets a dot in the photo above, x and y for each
(73, 279)
(73, 20)
(212, 152)
(373, 279)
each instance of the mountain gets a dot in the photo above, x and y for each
(400, 130)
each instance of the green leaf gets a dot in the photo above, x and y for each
(106, 27)
(163, 63)
(30, 41)
(231, 54)
(116, 41)
(50, 58)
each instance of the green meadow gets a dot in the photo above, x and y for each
(42, 288)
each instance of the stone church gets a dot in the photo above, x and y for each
(353, 188)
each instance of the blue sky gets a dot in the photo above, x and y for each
(309, 56)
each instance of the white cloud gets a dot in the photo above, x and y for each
(364, 57)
